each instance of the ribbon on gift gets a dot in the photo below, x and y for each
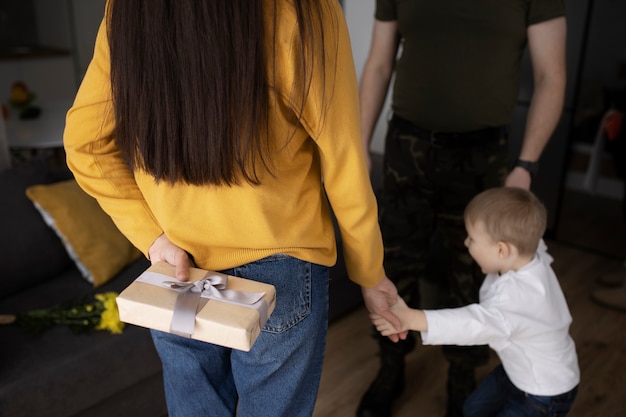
(211, 287)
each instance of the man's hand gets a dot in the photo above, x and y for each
(163, 250)
(379, 300)
(518, 177)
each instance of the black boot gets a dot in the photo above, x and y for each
(389, 383)
(461, 383)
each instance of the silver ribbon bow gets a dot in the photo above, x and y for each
(212, 287)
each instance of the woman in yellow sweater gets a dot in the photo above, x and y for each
(220, 133)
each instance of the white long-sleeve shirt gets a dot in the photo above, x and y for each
(524, 317)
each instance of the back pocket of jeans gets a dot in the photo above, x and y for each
(292, 279)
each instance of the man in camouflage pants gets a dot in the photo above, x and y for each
(428, 181)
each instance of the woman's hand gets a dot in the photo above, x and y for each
(163, 250)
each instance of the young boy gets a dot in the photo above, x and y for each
(522, 313)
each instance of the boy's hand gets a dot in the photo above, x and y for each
(400, 310)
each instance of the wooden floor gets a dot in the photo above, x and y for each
(600, 336)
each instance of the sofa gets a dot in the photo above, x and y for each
(58, 373)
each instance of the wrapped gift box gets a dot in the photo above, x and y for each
(156, 300)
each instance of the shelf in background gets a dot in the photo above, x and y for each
(31, 52)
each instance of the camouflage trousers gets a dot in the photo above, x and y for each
(427, 184)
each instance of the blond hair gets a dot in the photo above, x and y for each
(511, 215)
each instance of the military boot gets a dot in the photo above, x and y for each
(389, 383)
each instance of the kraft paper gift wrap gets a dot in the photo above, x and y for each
(200, 309)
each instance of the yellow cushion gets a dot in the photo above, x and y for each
(91, 238)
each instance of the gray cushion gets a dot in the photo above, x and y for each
(30, 251)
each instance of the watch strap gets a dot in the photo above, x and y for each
(531, 167)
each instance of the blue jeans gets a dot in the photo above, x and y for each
(498, 397)
(279, 376)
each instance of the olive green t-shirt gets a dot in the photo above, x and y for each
(460, 61)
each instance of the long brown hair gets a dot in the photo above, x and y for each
(191, 80)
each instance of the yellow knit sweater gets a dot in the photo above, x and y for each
(223, 227)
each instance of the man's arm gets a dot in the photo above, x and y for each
(376, 77)
(546, 44)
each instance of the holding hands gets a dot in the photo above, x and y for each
(410, 319)
(379, 301)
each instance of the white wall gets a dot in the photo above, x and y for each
(87, 17)
(360, 18)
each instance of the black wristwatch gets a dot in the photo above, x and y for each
(531, 167)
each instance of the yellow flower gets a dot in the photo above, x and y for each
(109, 318)
(80, 316)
